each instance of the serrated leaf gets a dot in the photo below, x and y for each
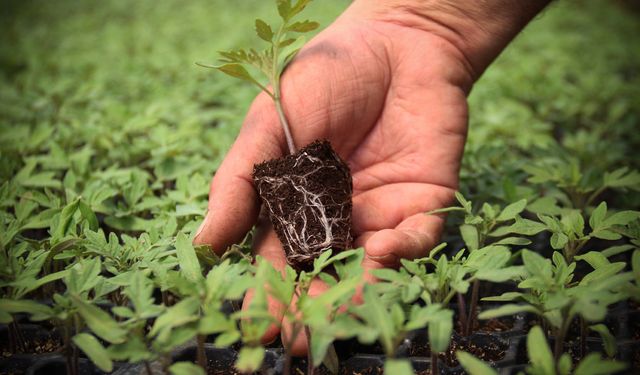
(470, 236)
(539, 352)
(264, 30)
(506, 310)
(100, 322)
(592, 364)
(187, 258)
(250, 359)
(510, 212)
(94, 350)
(608, 340)
(598, 215)
(303, 26)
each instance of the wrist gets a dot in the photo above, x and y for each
(477, 30)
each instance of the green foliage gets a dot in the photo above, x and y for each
(282, 48)
(106, 163)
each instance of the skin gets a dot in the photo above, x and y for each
(386, 83)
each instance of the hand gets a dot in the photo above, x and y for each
(391, 98)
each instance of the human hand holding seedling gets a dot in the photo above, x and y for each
(386, 83)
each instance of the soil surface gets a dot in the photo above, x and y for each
(487, 348)
(307, 196)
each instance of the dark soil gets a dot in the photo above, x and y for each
(308, 198)
(487, 348)
(36, 340)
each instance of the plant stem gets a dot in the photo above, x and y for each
(310, 367)
(559, 344)
(583, 337)
(462, 314)
(201, 355)
(434, 363)
(287, 349)
(471, 319)
(285, 125)
(277, 95)
(148, 367)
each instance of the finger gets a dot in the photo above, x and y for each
(267, 245)
(299, 345)
(389, 205)
(233, 202)
(413, 238)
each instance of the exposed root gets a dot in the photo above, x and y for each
(307, 204)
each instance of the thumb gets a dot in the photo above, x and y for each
(233, 202)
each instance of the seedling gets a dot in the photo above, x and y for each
(542, 361)
(483, 227)
(568, 231)
(550, 292)
(307, 193)
(389, 323)
(437, 281)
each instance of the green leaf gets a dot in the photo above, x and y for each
(592, 364)
(99, 321)
(524, 227)
(264, 30)
(187, 259)
(500, 275)
(320, 343)
(470, 236)
(94, 350)
(398, 366)
(559, 240)
(37, 310)
(473, 365)
(595, 259)
(186, 368)
(505, 297)
(250, 359)
(303, 26)
(506, 310)
(518, 241)
(66, 217)
(598, 215)
(237, 71)
(608, 340)
(440, 330)
(539, 353)
(621, 218)
(88, 215)
(510, 212)
(536, 265)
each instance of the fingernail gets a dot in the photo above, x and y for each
(202, 225)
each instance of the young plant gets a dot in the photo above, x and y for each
(134, 321)
(542, 361)
(76, 308)
(390, 322)
(439, 280)
(20, 269)
(199, 311)
(315, 314)
(580, 186)
(307, 194)
(550, 292)
(484, 227)
(568, 231)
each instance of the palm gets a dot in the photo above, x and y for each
(388, 100)
(386, 106)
